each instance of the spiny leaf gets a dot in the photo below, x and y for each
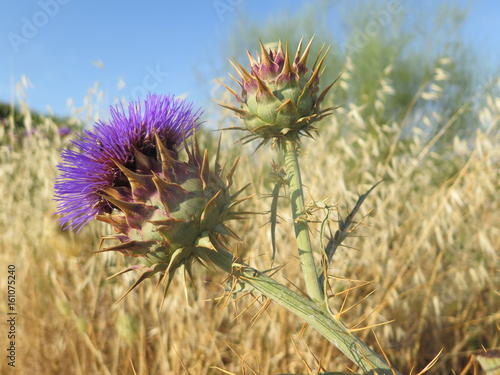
(343, 231)
(274, 217)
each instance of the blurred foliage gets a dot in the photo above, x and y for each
(6, 111)
(19, 123)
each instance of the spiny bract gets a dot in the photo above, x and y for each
(279, 100)
(171, 212)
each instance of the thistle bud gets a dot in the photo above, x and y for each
(279, 99)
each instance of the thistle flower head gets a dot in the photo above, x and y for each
(128, 173)
(88, 171)
(279, 99)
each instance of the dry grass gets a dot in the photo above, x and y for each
(429, 247)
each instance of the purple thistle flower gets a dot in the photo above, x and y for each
(89, 171)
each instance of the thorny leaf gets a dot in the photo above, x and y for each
(344, 228)
(274, 216)
(279, 175)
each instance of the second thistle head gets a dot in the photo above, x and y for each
(280, 99)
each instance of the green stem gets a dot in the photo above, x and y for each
(313, 313)
(313, 287)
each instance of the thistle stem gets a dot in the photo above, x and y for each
(315, 314)
(313, 287)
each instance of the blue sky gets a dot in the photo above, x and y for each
(155, 46)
